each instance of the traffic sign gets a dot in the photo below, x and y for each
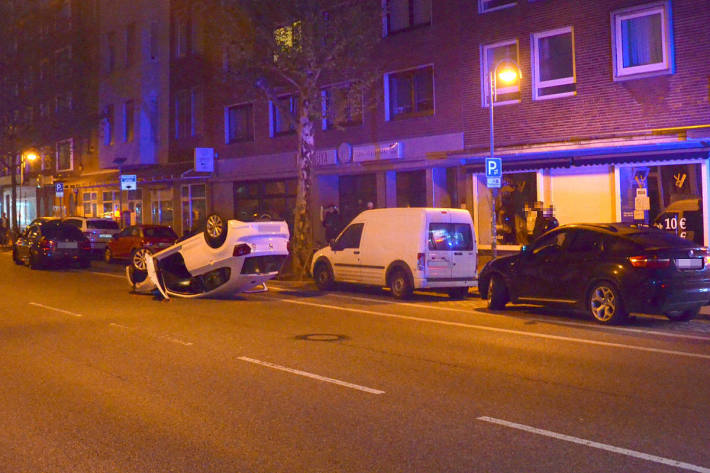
(494, 172)
(59, 189)
(128, 182)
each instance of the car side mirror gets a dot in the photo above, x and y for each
(524, 249)
(332, 245)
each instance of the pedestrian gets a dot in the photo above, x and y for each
(331, 222)
(4, 229)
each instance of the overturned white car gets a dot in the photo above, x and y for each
(229, 257)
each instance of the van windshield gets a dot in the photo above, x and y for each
(450, 237)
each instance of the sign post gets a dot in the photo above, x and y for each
(494, 175)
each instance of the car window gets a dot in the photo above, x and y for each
(553, 240)
(74, 222)
(69, 232)
(135, 231)
(159, 232)
(621, 246)
(659, 238)
(350, 238)
(49, 229)
(585, 241)
(450, 237)
(102, 224)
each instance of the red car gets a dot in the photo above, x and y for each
(136, 241)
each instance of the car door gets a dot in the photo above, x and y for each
(23, 243)
(123, 243)
(581, 255)
(439, 255)
(346, 254)
(534, 275)
(463, 256)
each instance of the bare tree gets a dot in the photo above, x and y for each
(298, 47)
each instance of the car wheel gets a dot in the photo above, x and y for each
(399, 285)
(683, 315)
(215, 230)
(108, 255)
(497, 295)
(605, 305)
(458, 292)
(35, 263)
(323, 277)
(138, 257)
(17, 260)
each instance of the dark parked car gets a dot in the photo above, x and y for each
(49, 241)
(136, 241)
(609, 270)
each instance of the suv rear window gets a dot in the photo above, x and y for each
(68, 231)
(659, 238)
(105, 224)
(450, 237)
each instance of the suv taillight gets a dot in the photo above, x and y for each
(89, 235)
(85, 245)
(421, 261)
(650, 262)
(45, 244)
(241, 250)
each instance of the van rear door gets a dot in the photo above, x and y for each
(438, 255)
(463, 252)
(451, 253)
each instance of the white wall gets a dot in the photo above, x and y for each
(583, 195)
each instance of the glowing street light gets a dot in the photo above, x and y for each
(508, 72)
(27, 156)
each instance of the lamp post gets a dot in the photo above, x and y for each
(508, 72)
(24, 157)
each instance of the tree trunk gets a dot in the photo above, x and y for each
(13, 205)
(302, 241)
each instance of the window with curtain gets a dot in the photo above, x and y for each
(642, 40)
(553, 65)
(410, 93)
(405, 14)
(492, 55)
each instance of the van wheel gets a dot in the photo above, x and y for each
(323, 277)
(458, 292)
(683, 315)
(400, 286)
(497, 295)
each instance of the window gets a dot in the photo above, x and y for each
(108, 125)
(491, 5)
(342, 106)
(553, 64)
(405, 14)
(354, 192)
(135, 204)
(491, 57)
(184, 125)
(128, 121)
(161, 206)
(154, 41)
(89, 201)
(409, 93)
(642, 42)
(515, 205)
(65, 155)
(181, 35)
(586, 242)
(240, 124)
(43, 69)
(63, 103)
(194, 206)
(110, 51)
(110, 203)
(350, 238)
(62, 63)
(280, 122)
(130, 44)
(450, 237)
(268, 199)
(411, 189)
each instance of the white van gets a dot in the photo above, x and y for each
(404, 249)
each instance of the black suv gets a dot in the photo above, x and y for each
(609, 270)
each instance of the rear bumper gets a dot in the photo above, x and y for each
(444, 283)
(658, 297)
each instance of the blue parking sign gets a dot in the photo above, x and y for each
(59, 189)
(494, 172)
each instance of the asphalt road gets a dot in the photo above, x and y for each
(95, 379)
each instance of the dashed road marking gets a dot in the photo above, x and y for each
(55, 309)
(598, 445)
(311, 375)
(167, 338)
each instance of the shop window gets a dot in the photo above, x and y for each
(89, 203)
(485, 6)
(240, 124)
(161, 207)
(411, 189)
(515, 206)
(409, 93)
(667, 196)
(354, 193)
(406, 14)
(491, 56)
(265, 200)
(135, 205)
(642, 40)
(553, 64)
(194, 206)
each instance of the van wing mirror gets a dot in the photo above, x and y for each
(332, 244)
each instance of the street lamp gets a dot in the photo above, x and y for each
(507, 71)
(24, 158)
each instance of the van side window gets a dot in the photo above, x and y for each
(350, 238)
(450, 237)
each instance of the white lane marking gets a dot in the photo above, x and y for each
(73, 314)
(311, 375)
(159, 337)
(503, 330)
(107, 274)
(601, 446)
(549, 322)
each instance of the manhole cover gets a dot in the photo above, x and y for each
(322, 337)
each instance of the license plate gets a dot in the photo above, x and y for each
(689, 263)
(105, 236)
(67, 244)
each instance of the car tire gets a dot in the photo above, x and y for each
(108, 255)
(138, 256)
(215, 230)
(497, 295)
(683, 315)
(16, 260)
(605, 305)
(458, 292)
(323, 276)
(400, 285)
